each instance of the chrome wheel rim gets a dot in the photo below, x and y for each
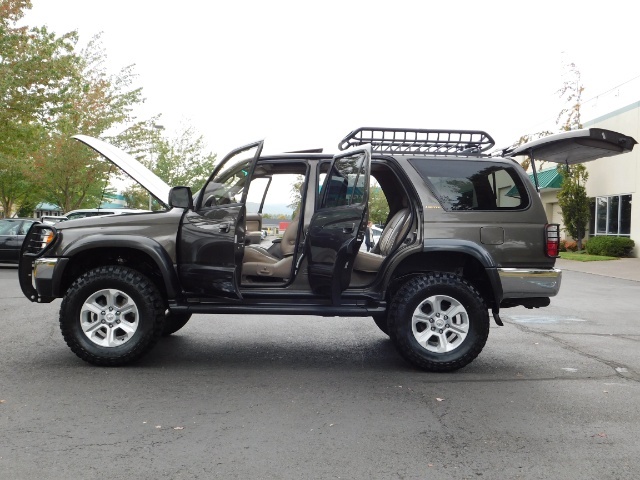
(109, 318)
(440, 324)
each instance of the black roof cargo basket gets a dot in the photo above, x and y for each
(413, 141)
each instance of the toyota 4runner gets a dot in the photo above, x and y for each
(466, 234)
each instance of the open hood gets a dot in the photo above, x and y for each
(576, 146)
(129, 165)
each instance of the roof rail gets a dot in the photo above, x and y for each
(415, 141)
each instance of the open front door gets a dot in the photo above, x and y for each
(337, 228)
(212, 236)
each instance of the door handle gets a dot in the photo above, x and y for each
(223, 227)
(348, 229)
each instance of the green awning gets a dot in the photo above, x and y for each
(549, 178)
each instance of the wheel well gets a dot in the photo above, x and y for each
(461, 264)
(98, 257)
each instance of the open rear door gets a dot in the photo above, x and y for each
(337, 228)
(576, 146)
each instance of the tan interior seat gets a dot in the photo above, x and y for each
(257, 261)
(393, 233)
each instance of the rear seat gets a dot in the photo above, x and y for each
(392, 235)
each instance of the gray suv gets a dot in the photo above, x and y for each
(466, 234)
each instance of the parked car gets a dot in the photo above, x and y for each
(52, 219)
(100, 212)
(12, 233)
(466, 234)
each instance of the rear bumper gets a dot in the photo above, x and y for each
(527, 283)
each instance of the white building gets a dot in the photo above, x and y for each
(613, 182)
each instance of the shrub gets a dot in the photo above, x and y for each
(562, 247)
(571, 246)
(610, 246)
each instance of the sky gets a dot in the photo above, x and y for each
(304, 74)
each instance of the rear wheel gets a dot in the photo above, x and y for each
(438, 322)
(111, 316)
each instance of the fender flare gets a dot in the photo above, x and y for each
(147, 245)
(466, 247)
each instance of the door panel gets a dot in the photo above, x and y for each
(337, 228)
(213, 234)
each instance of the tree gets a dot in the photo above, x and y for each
(573, 198)
(573, 201)
(296, 196)
(35, 67)
(68, 173)
(378, 205)
(181, 160)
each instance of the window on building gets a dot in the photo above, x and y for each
(610, 215)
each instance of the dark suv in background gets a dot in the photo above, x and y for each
(466, 234)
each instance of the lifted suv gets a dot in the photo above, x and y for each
(466, 233)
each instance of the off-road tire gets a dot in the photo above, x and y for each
(401, 321)
(174, 322)
(149, 308)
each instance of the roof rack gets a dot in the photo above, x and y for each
(419, 141)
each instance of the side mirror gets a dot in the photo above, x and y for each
(181, 197)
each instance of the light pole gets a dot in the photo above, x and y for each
(157, 128)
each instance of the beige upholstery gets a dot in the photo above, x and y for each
(257, 261)
(393, 233)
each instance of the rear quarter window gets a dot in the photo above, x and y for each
(468, 185)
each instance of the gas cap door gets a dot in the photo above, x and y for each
(492, 235)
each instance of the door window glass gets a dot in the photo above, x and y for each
(229, 184)
(345, 183)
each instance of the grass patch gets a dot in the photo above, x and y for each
(584, 257)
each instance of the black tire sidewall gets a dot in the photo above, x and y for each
(407, 300)
(142, 292)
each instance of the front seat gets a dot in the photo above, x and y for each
(257, 261)
(392, 235)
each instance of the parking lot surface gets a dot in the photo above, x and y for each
(553, 395)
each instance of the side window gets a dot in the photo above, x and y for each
(345, 182)
(24, 228)
(473, 185)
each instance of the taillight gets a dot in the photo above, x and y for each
(552, 239)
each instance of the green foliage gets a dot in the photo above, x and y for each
(296, 196)
(610, 246)
(378, 205)
(68, 173)
(35, 69)
(181, 160)
(574, 202)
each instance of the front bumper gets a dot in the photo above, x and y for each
(38, 277)
(529, 283)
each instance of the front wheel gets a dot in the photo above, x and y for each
(438, 322)
(111, 316)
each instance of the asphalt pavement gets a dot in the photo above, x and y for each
(554, 395)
